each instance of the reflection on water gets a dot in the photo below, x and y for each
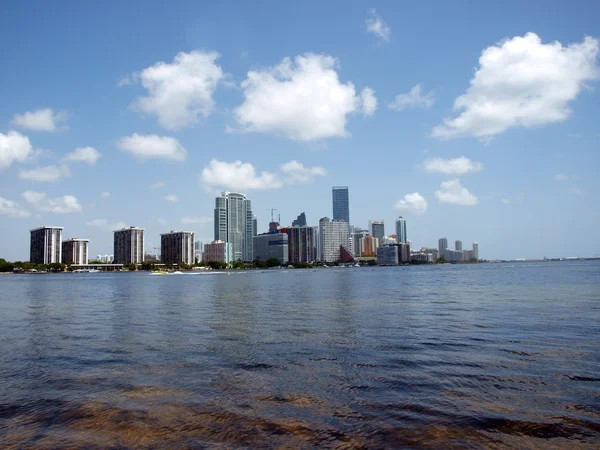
(490, 356)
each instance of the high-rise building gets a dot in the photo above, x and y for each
(332, 234)
(45, 245)
(377, 229)
(401, 230)
(129, 246)
(271, 245)
(458, 246)
(355, 238)
(442, 246)
(198, 249)
(476, 250)
(234, 224)
(254, 226)
(300, 221)
(368, 246)
(75, 251)
(341, 204)
(177, 247)
(301, 243)
(218, 251)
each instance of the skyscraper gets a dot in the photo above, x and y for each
(177, 247)
(301, 244)
(377, 229)
(234, 224)
(254, 226)
(45, 245)
(75, 251)
(401, 230)
(458, 246)
(442, 246)
(300, 221)
(476, 250)
(332, 234)
(341, 203)
(129, 246)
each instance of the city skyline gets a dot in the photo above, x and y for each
(100, 134)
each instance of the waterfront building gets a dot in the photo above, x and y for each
(75, 251)
(442, 246)
(254, 226)
(234, 223)
(177, 247)
(355, 238)
(401, 230)
(476, 251)
(403, 253)
(420, 257)
(198, 250)
(377, 229)
(271, 245)
(317, 241)
(46, 245)
(218, 251)
(458, 246)
(467, 255)
(129, 246)
(151, 257)
(387, 255)
(341, 204)
(105, 258)
(300, 220)
(453, 255)
(332, 234)
(301, 243)
(368, 246)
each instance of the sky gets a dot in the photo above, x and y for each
(475, 121)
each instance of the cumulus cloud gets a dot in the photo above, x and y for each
(88, 155)
(414, 99)
(14, 147)
(180, 91)
(157, 185)
(61, 205)
(152, 146)
(456, 166)
(453, 193)
(171, 198)
(47, 174)
(376, 26)
(41, 120)
(368, 101)
(106, 225)
(561, 177)
(301, 99)
(521, 82)
(237, 176)
(13, 209)
(413, 203)
(196, 220)
(295, 172)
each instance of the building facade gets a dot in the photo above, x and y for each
(377, 229)
(442, 247)
(234, 223)
(341, 204)
(177, 247)
(46, 245)
(458, 246)
(218, 251)
(75, 251)
(401, 230)
(368, 246)
(300, 220)
(301, 243)
(332, 234)
(387, 255)
(129, 246)
(476, 251)
(271, 245)
(355, 238)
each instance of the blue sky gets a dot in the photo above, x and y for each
(475, 121)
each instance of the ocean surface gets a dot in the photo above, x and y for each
(453, 356)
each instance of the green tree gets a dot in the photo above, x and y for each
(273, 262)
(442, 261)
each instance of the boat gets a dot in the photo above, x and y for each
(158, 272)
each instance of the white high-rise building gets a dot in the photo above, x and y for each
(442, 246)
(458, 246)
(234, 224)
(177, 247)
(401, 230)
(45, 246)
(332, 234)
(476, 250)
(129, 246)
(75, 251)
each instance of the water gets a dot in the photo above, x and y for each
(470, 356)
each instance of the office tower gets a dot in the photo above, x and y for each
(332, 234)
(476, 250)
(401, 230)
(377, 229)
(177, 247)
(317, 241)
(218, 251)
(300, 221)
(442, 246)
(341, 204)
(234, 224)
(301, 244)
(254, 226)
(129, 246)
(75, 251)
(45, 245)
(458, 246)
(271, 245)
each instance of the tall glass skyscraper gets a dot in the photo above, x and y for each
(234, 224)
(377, 229)
(401, 230)
(341, 203)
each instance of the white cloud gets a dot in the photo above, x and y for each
(47, 174)
(377, 26)
(301, 99)
(12, 209)
(413, 99)
(576, 191)
(105, 225)
(180, 91)
(453, 193)
(196, 220)
(561, 177)
(237, 176)
(88, 155)
(105, 195)
(157, 185)
(413, 203)
(456, 166)
(61, 205)
(152, 146)
(368, 101)
(14, 147)
(171, 198)
(295, 172)
(521, 82)
(41, 120)
(517, 199)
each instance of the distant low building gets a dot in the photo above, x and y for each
(271, 245)
(218, 251)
